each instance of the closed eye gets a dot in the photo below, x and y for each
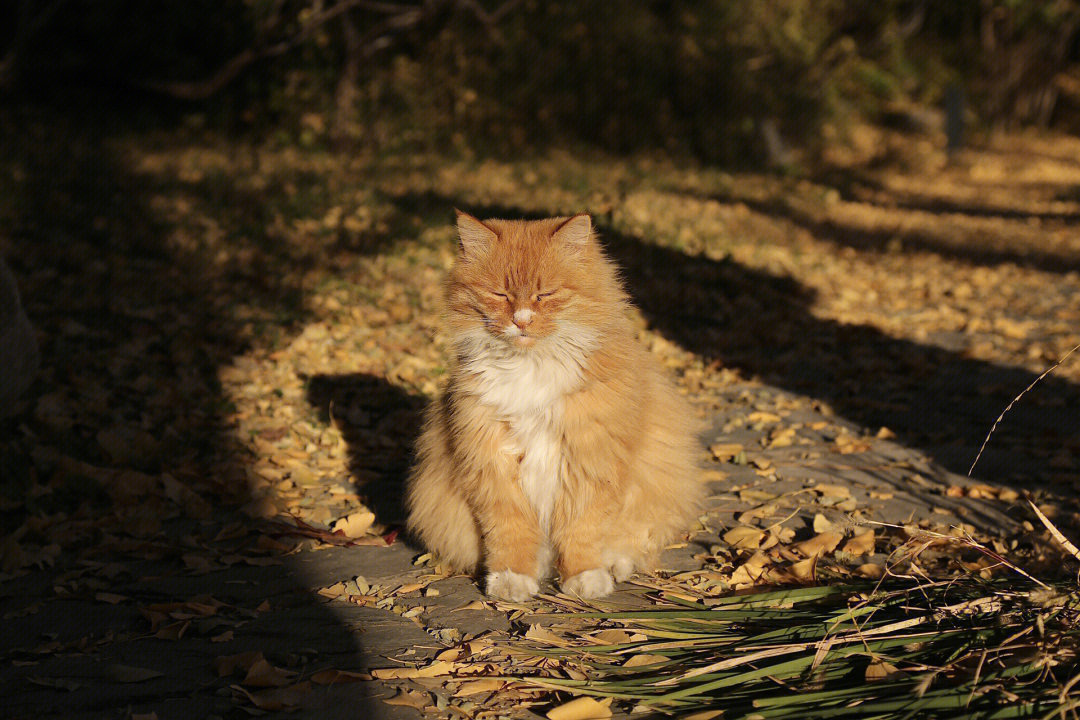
(501, 296)
(549, 293)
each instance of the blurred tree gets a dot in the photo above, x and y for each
(723, 79)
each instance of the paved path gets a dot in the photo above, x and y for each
(70, 649)
(185, 357)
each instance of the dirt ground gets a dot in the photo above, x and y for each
(201, 494)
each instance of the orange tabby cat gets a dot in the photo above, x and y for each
(558, 435)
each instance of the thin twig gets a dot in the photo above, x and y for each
(1009, 406)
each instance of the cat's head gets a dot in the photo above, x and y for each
(531, 283)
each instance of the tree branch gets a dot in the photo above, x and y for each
(29, 24)
(400, 17)
(407, 17)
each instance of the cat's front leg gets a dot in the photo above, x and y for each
(510, 585)
(511, 545)
(580, 561)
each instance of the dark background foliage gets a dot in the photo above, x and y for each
(712, 78)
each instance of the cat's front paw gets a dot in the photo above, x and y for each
(509, 585)
(622, 567)
(589, 584)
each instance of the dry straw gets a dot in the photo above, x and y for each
(1008, 407)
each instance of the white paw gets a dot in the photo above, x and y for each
(622, 568)
(590, 584)
(509, 585)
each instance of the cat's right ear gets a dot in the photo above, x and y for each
(473, 235)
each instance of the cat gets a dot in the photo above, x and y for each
(558, 436)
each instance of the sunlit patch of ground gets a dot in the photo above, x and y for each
(251, 333)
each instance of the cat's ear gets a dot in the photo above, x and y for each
(473, 235)
(575, 232)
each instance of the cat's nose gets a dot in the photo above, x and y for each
(523, 317)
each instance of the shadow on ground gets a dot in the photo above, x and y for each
(970, 250)
(126, 462)
(934, 399)
(380, 424)
(861, 187)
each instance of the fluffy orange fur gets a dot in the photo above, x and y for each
(558, 437)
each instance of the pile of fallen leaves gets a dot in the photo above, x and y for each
(238, 341)
(961, 648)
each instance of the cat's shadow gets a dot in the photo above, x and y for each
(379, 423)
(933, 398)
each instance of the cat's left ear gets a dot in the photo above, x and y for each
(474, 236)
(575, 232)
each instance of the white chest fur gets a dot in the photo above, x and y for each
(527, 390)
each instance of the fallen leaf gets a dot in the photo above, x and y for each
(819, 544)
(781, 437)
(286, 698)
(751, 571)
(878, 669)
(474, 605)
(761, 511)
(265, 543)
(333, 591)
(410, 698)
(228, 664)
(743, 537)
(616, 637)
(725, 451)
(848, 445)
(435, 669)
(801, 572)
(542, 634)
(756, 496)
(111, 598)
(199, 563)
(451, 654)
(131, 674)
(761, 416)
(338, 677)
(827, 490)
(860, 544)
(69, 684)
(408, 588)
(782, 534)
(483, 685)
(582, 708)
(822, 523)
(761, 463)
(263, 674)
(302, 529)
(174, 631)
(356, 524)
(804, 570)
(871, 571)
(642, 659)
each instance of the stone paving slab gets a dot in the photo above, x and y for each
(304, 631)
